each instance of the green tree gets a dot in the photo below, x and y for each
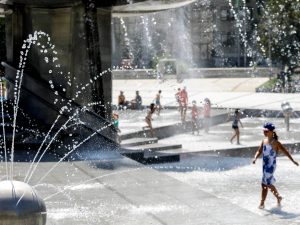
(279, 32)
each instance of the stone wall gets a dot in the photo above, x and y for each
(198, 73)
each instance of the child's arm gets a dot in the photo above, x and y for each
(258, 153)
(286, 152)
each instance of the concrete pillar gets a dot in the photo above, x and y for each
(81, 34)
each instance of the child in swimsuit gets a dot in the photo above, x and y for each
(235, 126)
(270, 148)
(195, 117)
(148, 118)
(157, 102)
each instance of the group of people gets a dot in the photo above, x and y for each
(181, 97)
(135, 103)
(196, 114)
(269, 148)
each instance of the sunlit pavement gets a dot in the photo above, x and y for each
(106, 188)
(218, 137)
(235, 180)
(238, 181)
(199, 190)
(223, 92)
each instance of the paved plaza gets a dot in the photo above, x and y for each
(103, 187)
(223, 92)
(64, 65)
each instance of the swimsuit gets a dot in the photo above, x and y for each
(157, 100)
(269, 164)
(149, 115)
(235, 122)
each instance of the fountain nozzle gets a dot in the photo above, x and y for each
(20, 204)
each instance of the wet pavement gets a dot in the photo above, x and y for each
(198, 190)
(218, 137)
(103, 187)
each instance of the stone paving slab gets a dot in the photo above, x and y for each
(138, 141)
(121, 191)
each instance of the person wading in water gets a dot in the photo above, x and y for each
(269, 148)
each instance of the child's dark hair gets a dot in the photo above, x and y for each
(152, 106)
(275, 137)
(236, 111)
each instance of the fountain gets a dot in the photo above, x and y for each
(65, 99)
(20, 204)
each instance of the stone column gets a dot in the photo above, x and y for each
(104, 18)
(93, 54)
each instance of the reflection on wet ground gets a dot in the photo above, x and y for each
(238, 181)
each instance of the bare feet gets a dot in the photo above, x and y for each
(261, 205)
(279, 199)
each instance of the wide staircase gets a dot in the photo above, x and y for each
(140, 146)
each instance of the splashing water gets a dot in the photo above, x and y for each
(51, 56)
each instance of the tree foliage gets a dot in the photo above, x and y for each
(279, 31)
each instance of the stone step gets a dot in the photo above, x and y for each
(150, 147)
(137, 142)
(174, 129)
(146, 153)
(146, 158)
(160, 154)
(235, 151)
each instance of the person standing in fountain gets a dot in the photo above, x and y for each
(115, 122)
(206, 114)
(3, 91)
(136, 103)
(138, 100)
(157, 102)
(177, 97)
(195, 118)
(235, 126)
(183, 104)
(148, 118)
(270, 147)
(121, 101)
